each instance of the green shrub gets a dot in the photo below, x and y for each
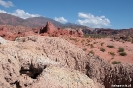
(92, 52)
(110, 46)
(123, 53)
(82, 41)
(88, 41)
(88, 45)
(74, 39)
(86, 35)
(102, 43)
(102, 49)
(95, 36)
(112, 53)
(121, 50)
(94, 42)
(91, 45)
(116, 62)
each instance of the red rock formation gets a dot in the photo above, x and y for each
(80, 33)
(49, 28)
(54, 31)
(11, 32)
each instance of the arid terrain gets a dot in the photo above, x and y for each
(53, 57)
(106, 48)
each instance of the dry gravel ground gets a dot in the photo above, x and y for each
(87, 43)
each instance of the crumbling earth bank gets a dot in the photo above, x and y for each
(26, 65)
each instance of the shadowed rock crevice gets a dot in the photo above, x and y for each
(17, 84)
(32, 72)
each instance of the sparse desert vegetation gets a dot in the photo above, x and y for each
(92, 52)
(116, 62)
(120, 49)
(102, 49)
(102, 43)
(112, 49)
(74, 39)
(88, 41)
(82, 41)
(95, 36)
(87, 44)
(110, 46)
(91, 45)
(123, 53)
(112, 53)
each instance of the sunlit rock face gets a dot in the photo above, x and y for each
(29, 62)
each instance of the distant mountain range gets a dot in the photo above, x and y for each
(8, 19)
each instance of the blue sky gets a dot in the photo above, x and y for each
(93, 13)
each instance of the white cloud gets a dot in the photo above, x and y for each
(92, 21)
(6, 4)
(2, 11)
(23, 14)
(60, 19)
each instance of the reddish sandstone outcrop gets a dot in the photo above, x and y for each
(12, 32)
(49, 28)
(54, 31)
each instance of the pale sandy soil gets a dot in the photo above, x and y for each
(86, 46)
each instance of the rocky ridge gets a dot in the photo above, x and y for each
(26, 65)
